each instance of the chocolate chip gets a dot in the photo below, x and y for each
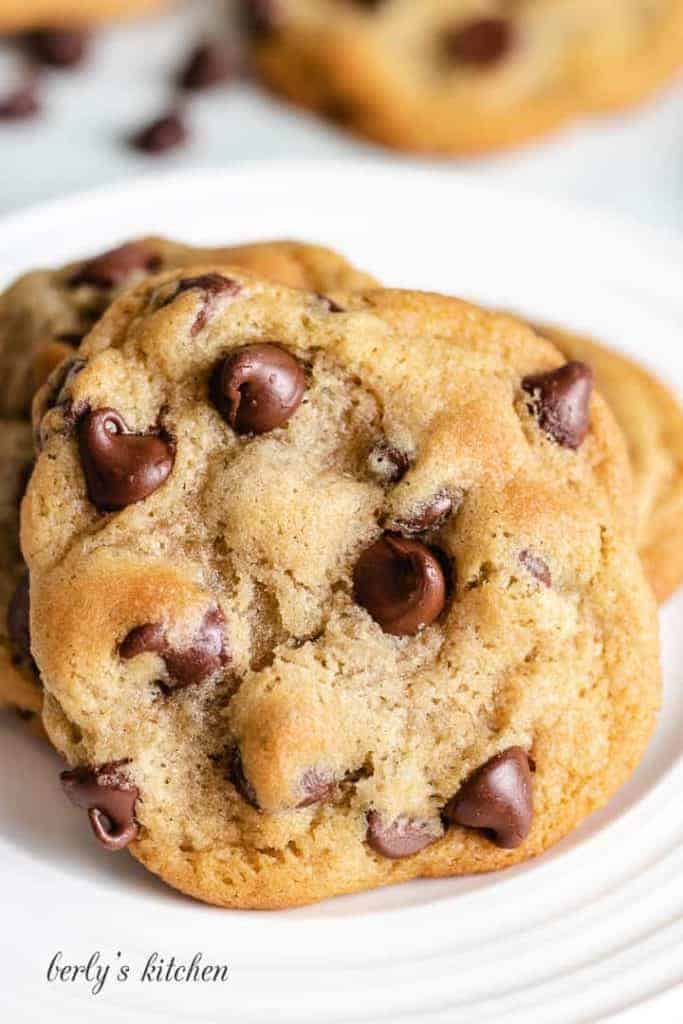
(536, 566)
(121, 467)
(109, 799)
(561, 400)
(204, 654)
(497, 798)
(58, 46)
(387, 462)
(259, 18)
(401, 837)
(239, 779)
(114, 267)
(430, 516)
(209, 64)
(257, 388)
(20, 104)
(19, 618)
(401, 583)
(161, 135)
(316, 786)
(481, 41)
(210, 286)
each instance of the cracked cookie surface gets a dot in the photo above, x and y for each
(43, 317)
(363, 603)
(463, 76)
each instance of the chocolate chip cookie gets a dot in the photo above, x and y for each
(43, 317)
(652, 421)
(327, 595)
(463, 76)
(15, 15)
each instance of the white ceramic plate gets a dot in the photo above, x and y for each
(589, 932)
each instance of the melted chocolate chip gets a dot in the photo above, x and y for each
(204, 654)
(58, 46)
(401, 583)
(481, 41)
(401, 837)
(560, 402)
(114, 267)
(258, 388)
(430, 516)
(121, 467)
(239, 779)
(109, 799)
(161, 135)
(19, 618)
(536, 566)
(388, 462)
(208, 65)
(20, 104)
(317, 786)
(497, 798)
(210, 286)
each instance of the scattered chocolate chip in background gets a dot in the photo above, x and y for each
(20, 104)
(211, 63)
(58, 46)
(170, 131)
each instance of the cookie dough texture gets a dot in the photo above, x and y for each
(43, 317)
(652, 422)
(464, 76)
(547, 643)
(15, 15)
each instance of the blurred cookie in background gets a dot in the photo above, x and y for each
(16, 15)
(463, 76)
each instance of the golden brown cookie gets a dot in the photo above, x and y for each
(652, 421)
(15, 15)
(43, 316)
(463, 76)
(327, 595)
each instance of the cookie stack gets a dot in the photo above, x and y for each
(328, 586)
